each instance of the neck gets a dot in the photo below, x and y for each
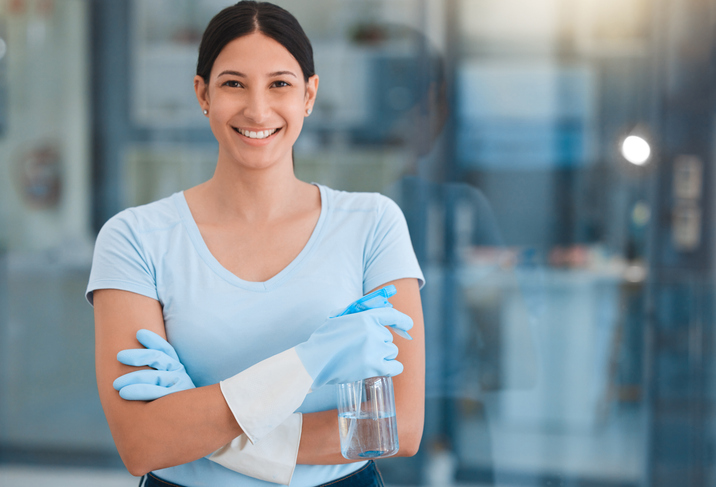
(253, 195)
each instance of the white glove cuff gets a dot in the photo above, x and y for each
(264, 395)
(272, 459)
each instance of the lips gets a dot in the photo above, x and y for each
(256, 134)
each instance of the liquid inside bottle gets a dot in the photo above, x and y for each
(366, 418)
(363, 436)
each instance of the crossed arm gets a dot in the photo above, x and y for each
(153, 435)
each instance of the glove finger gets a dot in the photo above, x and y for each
(399, 322)
(137, 357)
(378, 334)
(390, 352)
(379, 359)
(151, 340)
(152, 377)
(392, 368)
(143, 392)
(401, 333)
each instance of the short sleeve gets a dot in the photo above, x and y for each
(119, 261)
(389, 253)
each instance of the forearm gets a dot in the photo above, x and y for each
(153, 435)
(320, 441)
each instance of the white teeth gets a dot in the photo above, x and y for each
(261, 134)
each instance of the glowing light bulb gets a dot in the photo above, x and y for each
(636, 150)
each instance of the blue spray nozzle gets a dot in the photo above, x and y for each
(376, 299)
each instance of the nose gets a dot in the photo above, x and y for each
(257, 107)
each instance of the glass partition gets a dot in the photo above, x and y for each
(48, 398)
(568, 306)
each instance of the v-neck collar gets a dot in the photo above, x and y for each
(206, 255)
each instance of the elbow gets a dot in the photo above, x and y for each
(135, 455)
(410, 433)
(141, 451)
(410, 442)
(409, 449)
(136, 471)
(134, 463)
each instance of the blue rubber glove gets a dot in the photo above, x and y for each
(166, 376)
(374, 300)
(351, 347)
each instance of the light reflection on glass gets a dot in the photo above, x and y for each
(636, 150)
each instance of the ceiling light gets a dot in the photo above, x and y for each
(636, 150)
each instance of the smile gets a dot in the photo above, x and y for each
(261, 134)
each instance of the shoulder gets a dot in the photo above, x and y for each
(138, 220)
(349, 201)
(130, 247)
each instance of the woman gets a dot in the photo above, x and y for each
(242, 274)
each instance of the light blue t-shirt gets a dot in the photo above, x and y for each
(220, 324)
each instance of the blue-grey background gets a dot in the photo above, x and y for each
(569, 304)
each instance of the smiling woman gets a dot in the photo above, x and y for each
(254, 90)
(230, 290)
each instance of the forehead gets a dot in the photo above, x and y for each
(255, 54)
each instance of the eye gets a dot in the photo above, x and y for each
(232, 83)
(279, 84)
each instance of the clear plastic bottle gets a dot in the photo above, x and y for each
(366, 418)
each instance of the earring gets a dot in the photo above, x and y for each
(309, 111)
(206, 112)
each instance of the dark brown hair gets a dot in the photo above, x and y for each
(246, 18)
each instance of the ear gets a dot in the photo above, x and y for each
(202, 92)
(311, 90)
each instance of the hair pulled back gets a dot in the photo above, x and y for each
(245, 18)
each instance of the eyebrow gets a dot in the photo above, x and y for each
(242, 75)
(282, 73)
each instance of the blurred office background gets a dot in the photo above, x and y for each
(569, 304)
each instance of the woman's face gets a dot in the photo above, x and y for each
(256, 100)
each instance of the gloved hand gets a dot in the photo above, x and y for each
(376, 299)
(166, 376)
(352, 347)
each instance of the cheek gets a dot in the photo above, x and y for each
(296, 110)
(223, 106)
(297, 114)
(296, 122)
(220, 114)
